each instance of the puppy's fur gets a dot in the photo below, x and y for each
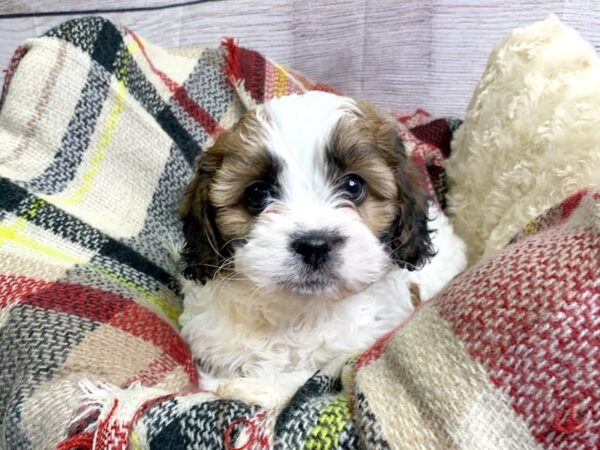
(305, 225)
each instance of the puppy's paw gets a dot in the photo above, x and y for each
(270, 393)
(253, 392)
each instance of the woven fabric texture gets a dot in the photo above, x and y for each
(98, 133)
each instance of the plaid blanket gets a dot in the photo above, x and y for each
(98, 131)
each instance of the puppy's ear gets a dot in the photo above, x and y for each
(204, 251)
(408, 237)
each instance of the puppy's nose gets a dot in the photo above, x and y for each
(314, 248)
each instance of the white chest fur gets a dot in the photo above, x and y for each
(233, 329)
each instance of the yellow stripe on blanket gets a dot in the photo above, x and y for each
(326, 433)
(135, 442)
(15, 233)
(106, 136)
(280, 82)
(282, 78)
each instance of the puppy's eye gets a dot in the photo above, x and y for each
(257, 196)
(355, 187)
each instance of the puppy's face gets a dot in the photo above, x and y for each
(311, 194)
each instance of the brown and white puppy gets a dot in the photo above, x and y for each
(305, 225)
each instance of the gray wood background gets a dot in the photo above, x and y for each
(405, 54)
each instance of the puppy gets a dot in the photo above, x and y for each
(305, 225)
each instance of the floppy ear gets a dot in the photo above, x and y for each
(408, 237)
(204, 251)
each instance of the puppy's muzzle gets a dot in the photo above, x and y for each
(316, 248)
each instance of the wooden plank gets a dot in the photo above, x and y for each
(405, 54)
(37, 6)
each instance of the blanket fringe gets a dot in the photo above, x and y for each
(119, 410)
(234, 73)
(175, 247)
(232, 59)
(244, 96)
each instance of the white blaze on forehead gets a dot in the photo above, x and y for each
(298, 129)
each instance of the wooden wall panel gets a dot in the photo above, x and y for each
(405, 54)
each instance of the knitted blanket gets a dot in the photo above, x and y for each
(98, 132)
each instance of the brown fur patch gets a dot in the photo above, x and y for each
(244, 160)
(363, 147)
(212, 208)
(395, 207)
(378, 214)
(364, 144)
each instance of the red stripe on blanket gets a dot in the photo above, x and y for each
(145, 324)
(14, 288)
(112, 434)
(436, 133)
(81, 441)
(83, 301)
(572, 202)
(258, 74)
(101, 306)
(232, 67)
(181, 95)
(247, 66)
